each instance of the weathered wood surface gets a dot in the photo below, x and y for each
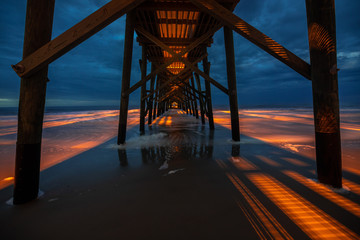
(75, 35)
(201, 100)
(187, 62)
(253, 35)
(126, 76)
(143, 91)
(194, 93)
(151, 97)
(206, 66)
(231, 77)
(173, 78)
(38, 28)
(322, 42)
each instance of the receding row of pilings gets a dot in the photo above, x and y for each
(159, 97)
(38, 28)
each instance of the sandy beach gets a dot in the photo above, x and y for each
(182, 181)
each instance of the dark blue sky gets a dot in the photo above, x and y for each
(90, 74)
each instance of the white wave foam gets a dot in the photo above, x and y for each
(174, 171)
(136, 142)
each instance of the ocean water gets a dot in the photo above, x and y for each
(69, 131)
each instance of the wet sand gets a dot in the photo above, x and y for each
(183, 181)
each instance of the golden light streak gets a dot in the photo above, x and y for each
(313, 221)
(268, 223)
(355, 188)
(57, 120)
(320, 39)
(268, 161)
(221, 163)
(327, 193)
(295, 162)
(89, 144)
(8, 179)
(242, 163)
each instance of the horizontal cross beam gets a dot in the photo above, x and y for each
(176, 57)
(187, 62)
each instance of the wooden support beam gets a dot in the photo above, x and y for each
(175, 55)
(253, 35)
(231, 77)
(156, 98)
(38, 28)
(143, 91)
(206, 76)
(202, 104)
(126, 75)
(57, 47)
(168, 6)
(151, 98)
(194, 93)
(192, 99)
(185, 88)
(173, 41)
(175, 77)
(322, 42)
(206, 66)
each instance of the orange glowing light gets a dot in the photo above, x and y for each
(320, 39)
(268, 224)
(8, 179)
(268, 161)
(242, 163)
(176, 67)
(355, 188)
(295, 162)
(313, 221)
(326, 192)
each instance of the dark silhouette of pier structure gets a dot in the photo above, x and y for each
(174, 36)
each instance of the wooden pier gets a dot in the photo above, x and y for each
(174, 36)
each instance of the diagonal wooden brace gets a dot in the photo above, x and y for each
(74, 36)
(187, 62)
(253, 35)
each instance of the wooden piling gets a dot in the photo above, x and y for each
(202, 104)
(206, 66)
(151, 98)
(38, 28)
(125, 82)
(322, 42)
(231, 76)
(195, 101)
(143, 90)
(156, 98)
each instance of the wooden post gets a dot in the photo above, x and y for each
(322, 42)
(192, 98)
(195, 101)
(38, 28)
(143, 90)
(231, 76)
(151, 98)
(206, 66)
(125, 83)
(156, 98)
(202, 104)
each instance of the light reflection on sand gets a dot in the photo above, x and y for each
(65, 135)
(293, 130)
(69, 134)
